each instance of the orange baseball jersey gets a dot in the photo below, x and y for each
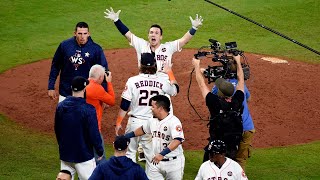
(96, 95)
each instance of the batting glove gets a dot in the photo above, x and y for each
(110, 14)
(197, 22)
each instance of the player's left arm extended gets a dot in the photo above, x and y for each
(196, 23)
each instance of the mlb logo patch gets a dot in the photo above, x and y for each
(163, 49)
(229, 173)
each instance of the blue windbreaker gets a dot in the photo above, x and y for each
(76, 129)
(71, 60)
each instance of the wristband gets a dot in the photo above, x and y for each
(192, 31)
(171, 75)
(121, 27)
(119, 120)
(130, 135)
(165, 151)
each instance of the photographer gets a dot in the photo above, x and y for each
(98, 97)
(245, 146)
(225, 108)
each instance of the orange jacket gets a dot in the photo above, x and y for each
(96, 95)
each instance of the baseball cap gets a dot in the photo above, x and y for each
(147, 59)
(79, 83)
(216, 146)
(121, 143)
(225, 87)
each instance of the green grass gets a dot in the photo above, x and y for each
(31, 30)
(26, 154)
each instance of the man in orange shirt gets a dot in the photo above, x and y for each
(98, 97)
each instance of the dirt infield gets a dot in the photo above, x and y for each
(285, 98)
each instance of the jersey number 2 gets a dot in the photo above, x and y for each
(144, 99)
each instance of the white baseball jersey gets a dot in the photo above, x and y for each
(163, 54)
(230, 170)
(163, 132)
(139, 90)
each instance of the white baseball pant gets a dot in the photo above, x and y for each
(83, 169)
(145, 140)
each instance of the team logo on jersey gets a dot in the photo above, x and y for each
(178, 128)
(77, 59)
(87, 54)
(163, 49)
(165, 128)
(229, 173)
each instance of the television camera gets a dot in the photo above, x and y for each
(226, 67)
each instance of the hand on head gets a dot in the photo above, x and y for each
(110, 14)
(197, 22)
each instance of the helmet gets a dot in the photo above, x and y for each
(216, 146)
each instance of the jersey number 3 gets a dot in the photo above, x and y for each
(145, 97)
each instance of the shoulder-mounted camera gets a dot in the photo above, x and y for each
(223, 54)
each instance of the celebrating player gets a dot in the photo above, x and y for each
(219, 166)
(136, 96)
(167, 135)
(161, 52)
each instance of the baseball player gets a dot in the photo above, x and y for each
(74, 57)
(162, 52)
(167, 135)
(136, 97)
(219, 166)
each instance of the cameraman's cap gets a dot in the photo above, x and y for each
(147, 59)
(121, 143)
(79, 83)
(224, 87)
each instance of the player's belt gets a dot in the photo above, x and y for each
(169, 159)
(138, 118)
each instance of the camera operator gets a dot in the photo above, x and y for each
(245, 146)
(225, 108)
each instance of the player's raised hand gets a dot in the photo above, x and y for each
(110, 14)
(197, 22)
